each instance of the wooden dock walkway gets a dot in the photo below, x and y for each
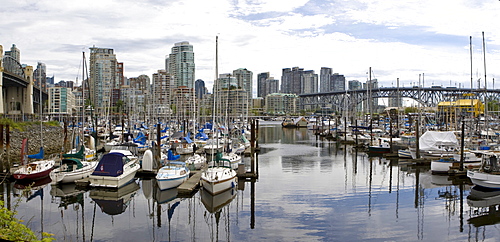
(189, 186)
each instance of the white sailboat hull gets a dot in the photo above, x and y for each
(218, 179)
(59, 176)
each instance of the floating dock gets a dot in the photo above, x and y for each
(191, 184)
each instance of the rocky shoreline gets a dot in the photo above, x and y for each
(53, 140)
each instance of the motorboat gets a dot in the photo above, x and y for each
(488, 174)
(444, 164)
(115, 169)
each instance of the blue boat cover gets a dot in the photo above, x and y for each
(141, 138)
(37, 156)
(111, 207)
(171, 156)
(207, 126)
(188, 140)
(111, 164)
(201, 136)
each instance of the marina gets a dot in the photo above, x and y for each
(308, 188)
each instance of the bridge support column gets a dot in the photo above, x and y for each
(2, 100)
(28, 95)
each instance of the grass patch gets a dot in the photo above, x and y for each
(21, 125)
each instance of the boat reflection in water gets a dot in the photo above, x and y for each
(114, 201)
(66, 194)
(486, 201)
(31, 188)
(218, 205)
(214, 203)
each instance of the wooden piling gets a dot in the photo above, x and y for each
(7, 141)
(1, 148)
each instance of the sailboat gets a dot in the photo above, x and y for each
(36, 169)
(173, 174)
(73, 167)
(217, 179)
(76, 165)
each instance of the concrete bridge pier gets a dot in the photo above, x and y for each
(2, 108)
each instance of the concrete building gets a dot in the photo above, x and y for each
(272, 86)
(14, 52)
(309, 82)
(324, 79)
(337, 82)
(281, 104)
(261, 84)
(180, 65)
(244, 80)
(161, 90)
(62, 103)
(355, 85)
(200, 89)
(40, 76)
(103, 77)
(297, 81)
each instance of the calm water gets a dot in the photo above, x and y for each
(308, 190)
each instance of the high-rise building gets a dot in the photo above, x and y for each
(324, 79)
(139, 89)
(200, 89)
(337, 83)
(14, 53)
(50, 80)
(103, 77)
(181, 65)
(271, 86)
(355, 85)
(161, 89)
(298, 81)
(309, 82)
(40, 76)
(261, 86)
(244, 81)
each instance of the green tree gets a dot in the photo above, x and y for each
(12, 229)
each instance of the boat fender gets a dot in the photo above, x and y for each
(29, 169)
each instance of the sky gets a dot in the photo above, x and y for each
(424, 41)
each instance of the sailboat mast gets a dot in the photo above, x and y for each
(471, 78)
(41, 113)
(485, 93)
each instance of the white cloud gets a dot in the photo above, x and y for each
(396, 38)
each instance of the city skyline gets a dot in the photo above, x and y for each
(397, 39)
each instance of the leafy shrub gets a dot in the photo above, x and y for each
(12, 229)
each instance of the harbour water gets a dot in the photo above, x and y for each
(308, 189)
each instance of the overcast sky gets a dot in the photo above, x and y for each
(397, 39)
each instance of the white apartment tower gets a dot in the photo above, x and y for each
(181, 65)
(103, 71)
